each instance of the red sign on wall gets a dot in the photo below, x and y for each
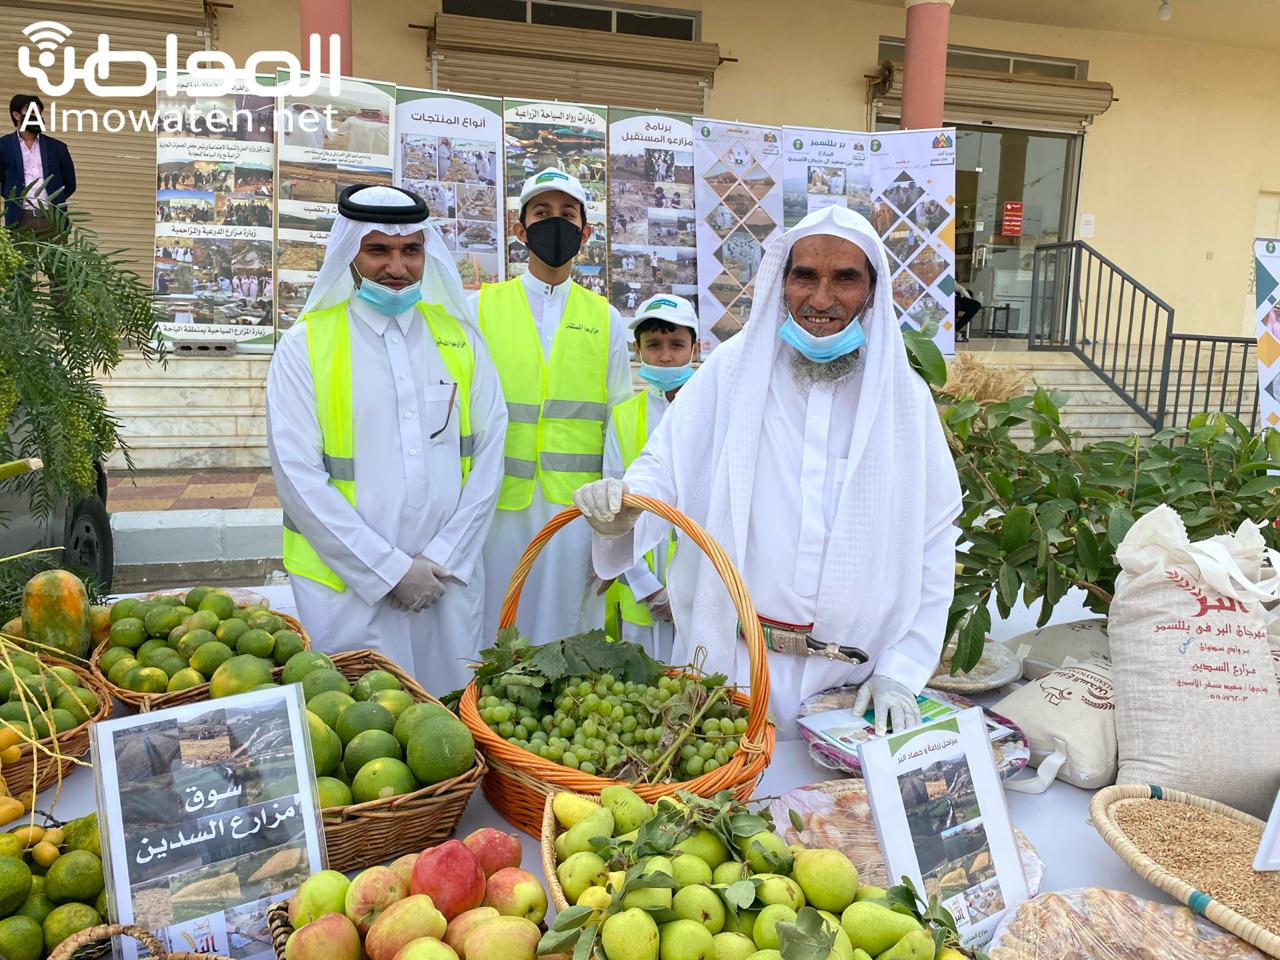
(1011, 221)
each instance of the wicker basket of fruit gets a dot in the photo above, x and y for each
(652, 744)
(75, 945)
(172, 643)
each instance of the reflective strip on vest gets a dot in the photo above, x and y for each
(329, 354)
(557, 406)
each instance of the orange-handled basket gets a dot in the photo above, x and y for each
(518, 781)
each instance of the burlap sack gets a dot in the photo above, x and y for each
(1196, 703)
(1048, 648)
(1068, 716)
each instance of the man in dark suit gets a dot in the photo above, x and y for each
(28, 156)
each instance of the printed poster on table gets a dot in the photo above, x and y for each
(825, 168)
(449, 152)
(738, 174)
(913, 186)
(215, 176)
(569, 137)
(326, 143)
(1266, 272)
(652, 240)
(209, 816)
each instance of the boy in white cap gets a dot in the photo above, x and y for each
(561, 355)
(666, 335)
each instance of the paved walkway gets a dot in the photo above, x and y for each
(191, 490)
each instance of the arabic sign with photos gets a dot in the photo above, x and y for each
(210, 817)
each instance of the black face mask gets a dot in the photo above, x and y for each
(555, 241)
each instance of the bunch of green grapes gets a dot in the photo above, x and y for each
(600, 725)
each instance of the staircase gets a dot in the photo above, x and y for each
(192, 413)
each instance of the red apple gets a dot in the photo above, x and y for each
(331, 937)
(464, 923)
(503, 938)
(450, 876)
(403, 867)
(516, 893)
(371, 892)
(405, 920)
(494, 849)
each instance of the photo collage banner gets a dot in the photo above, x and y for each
(1266, 273)
(677, 204)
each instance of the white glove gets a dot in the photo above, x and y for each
(601, 503)
(892, 701)
(659, 604)
(420, 587)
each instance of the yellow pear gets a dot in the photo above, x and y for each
(570, 808)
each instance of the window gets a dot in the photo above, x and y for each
(995, 61)
(636, 21)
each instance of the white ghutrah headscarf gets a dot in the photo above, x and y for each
(440, 280)
(899, 481)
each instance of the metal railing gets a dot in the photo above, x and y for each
(1120, 329)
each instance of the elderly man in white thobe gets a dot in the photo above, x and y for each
(813, 454)
(385, 425)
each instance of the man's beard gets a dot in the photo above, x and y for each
(809, 372)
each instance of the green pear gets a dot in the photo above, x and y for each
(861, 955)
(733, 946)
(875, 928)
(755, 847)
(779, 889)
(629, 837)
(731, 871)
(916, 945)
(828, 878)
(765, 932)
(685, 940)
(701, 904)
(628, 809)
(578, 837)
(598, 899)
(581, 870)
(741, 921)
(705, 845)
(570, 808)
(651, 898)
(765, 955)
(869, 892)
(842, 949)
(689, 869)
(630, 935)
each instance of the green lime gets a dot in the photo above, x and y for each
(112, 655)
(146, 680)
(333, 792)
(177, 633)
(262, 620)
(413, 715)
(11, 846)
(120, 668)
(168, 600)
(67, 920)
(300, 664)
(440, 747)
(397, 701)
(239, 674)
(16, 710)
(100, 903)
(172, 664)
(380, 779)
(7, 682)
(195, 595)
(219, 604)
(368, 745)
(185, 679)
(372, 682)
(205, 620)
(229, 631)
(79, 702)
(209, 656)
(15, 884)
(63, 720)
(288, 643)
(184, 611)
(129, 632)
(160, 621)
(37, 906)
(193, 641)
(124, 608)
(329, 705)
(21, 938)
(363, 716)
(66, 675)
(23, 661)
(257, 643)
(156, 656)
(76, 875)
(326, 748)
(319, 681)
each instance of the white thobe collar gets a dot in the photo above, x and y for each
(378, 322)
(538, 288)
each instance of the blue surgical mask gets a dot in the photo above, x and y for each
(386, 301)
(666, 378)
(822, 349)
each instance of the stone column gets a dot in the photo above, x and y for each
(925, 63)
(326, 17)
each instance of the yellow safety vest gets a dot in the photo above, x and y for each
(556, 408)
(630, 424)
(329, 353)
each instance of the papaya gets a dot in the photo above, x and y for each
(13, 628)
(99, 623)
(55, 612)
